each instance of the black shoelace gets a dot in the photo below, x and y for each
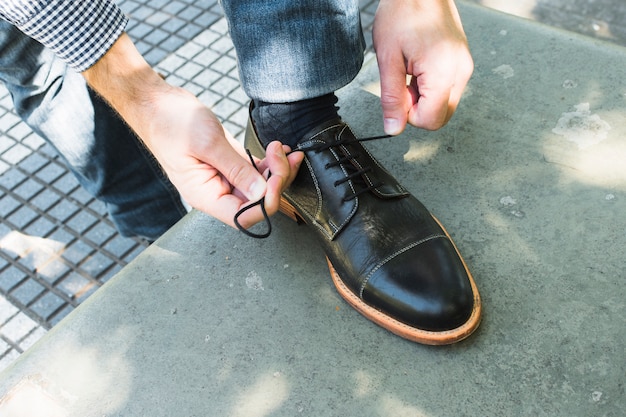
(318, 147)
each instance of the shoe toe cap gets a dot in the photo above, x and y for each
(427, 287)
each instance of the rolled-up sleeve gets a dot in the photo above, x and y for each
(79, 31)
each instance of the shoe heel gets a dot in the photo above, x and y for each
(288, 210)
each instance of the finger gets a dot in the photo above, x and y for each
(284, 169)
(394, 96)
(295, 160)
(432, 107)
(238, 171)
(210, 192)
(439, 89)
(278, 165)
(275, 162)
(463, 76)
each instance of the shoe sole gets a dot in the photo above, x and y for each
(403, 330)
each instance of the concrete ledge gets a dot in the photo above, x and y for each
(528, 178)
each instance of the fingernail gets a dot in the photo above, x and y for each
(256, 190)
(391, 126)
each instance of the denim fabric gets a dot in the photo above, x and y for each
(106, 157)
(291, 50)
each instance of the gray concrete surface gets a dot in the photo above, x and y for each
(57, 244)
(528, 178)
(602, 19)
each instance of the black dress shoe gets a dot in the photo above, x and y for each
(388, 256)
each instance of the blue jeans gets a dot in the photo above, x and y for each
(291, 50)
(106, 157)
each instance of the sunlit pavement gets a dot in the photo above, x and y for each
(57, 246)
(529, 180)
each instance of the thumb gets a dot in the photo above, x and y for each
(239, 172)
(395, 98)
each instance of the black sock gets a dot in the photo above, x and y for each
(289, 122)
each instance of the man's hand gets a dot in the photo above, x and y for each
(425, 40)
(210, 171)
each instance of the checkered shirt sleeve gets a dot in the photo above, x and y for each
(79, 31)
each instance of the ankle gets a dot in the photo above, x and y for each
(288, 122)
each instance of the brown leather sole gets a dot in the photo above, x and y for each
(401, 329)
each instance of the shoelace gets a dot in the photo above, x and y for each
(318, 147)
